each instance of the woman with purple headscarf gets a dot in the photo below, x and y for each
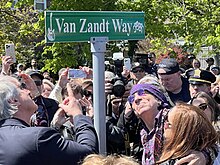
(151, 106)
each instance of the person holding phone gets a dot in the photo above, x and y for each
(7, 61)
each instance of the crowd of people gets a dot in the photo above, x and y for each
(167, 113)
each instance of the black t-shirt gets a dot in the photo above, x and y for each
(183, 95)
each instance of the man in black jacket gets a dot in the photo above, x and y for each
(21, 144)
(175, 84)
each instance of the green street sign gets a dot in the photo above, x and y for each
(78, 26)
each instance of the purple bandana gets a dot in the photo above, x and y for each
(151, 89)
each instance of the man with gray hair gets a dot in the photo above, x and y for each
(21, 144)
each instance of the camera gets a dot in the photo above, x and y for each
(118, 81)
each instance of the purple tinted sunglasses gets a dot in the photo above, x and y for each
(140, 92)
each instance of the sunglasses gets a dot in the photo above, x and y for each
(167, 123)
(137, 70)
(203, 106)
(140, 92)
(38, 82)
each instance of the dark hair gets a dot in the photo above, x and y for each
(211, 103)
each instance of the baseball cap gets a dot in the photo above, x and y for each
(168, 66)
(209, 59)
(34, 73)
(136, 65)
(199, 76)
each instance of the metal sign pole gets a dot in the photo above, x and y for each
(98, 49)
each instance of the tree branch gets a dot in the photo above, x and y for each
(14, 16)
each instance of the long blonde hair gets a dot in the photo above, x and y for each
(191, 130)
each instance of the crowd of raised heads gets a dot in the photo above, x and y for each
(159, 112)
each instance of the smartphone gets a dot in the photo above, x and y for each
(10, 51)
(76, 73)
(127, 63)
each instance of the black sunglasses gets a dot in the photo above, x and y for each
(203, 106)
(137, 70)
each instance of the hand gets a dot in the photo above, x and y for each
(214, 89)
(87, 70)
(71, 105)
(108, 87)
(127, 108)
(88, 104)
(59, 118)
(194, 158)
(7, 61)
(63, 79)
(30, 85)
(125, 72)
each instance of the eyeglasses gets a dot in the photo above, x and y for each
(38, 82)
(203, 106)
(140, 92)
(167, 124)
(137, 70)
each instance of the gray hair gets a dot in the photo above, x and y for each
(48, 82)
(109, 75)
(8, 92)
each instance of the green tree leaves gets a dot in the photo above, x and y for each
(198, 22)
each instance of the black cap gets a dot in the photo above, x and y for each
(199, 76)
(34, 73)
(169, 66)
(209, 59)
(136, 65)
